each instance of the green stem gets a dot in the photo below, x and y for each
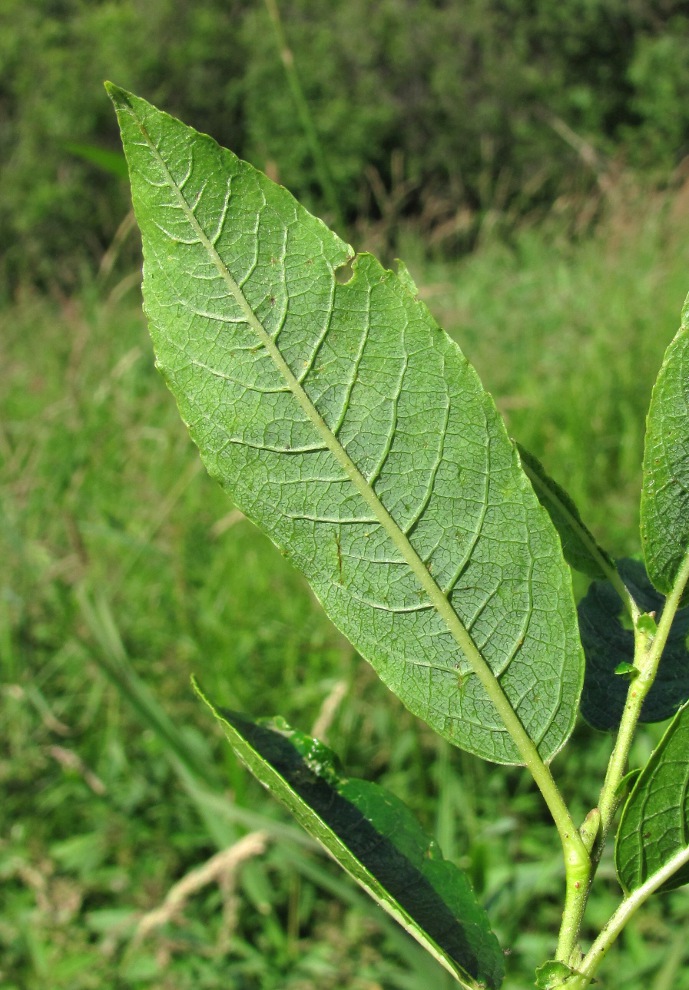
(623, 591)
(580, 875)
(578, 880)
(629, 906)
(648, 650)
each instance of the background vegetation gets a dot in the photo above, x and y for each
(549, 140)
(447, 110)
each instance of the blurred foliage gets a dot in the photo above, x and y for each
(446, 110)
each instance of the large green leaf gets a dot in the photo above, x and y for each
(608, 645)
(355, 433)
(665, 494)
(655, 822)
(375, 837)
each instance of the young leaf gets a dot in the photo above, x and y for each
(665, 494)
(608, 646)
(551, 974)
(655, 822)
(377, 840)
(578, 543)
(356, 435)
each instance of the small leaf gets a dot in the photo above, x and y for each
(655, 822)
(578, 543)
(628, 781)
(609, 646)
(665, 494)
(551, 974)
(377, 840)
(647, 624)
(353, 431)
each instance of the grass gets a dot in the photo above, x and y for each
(123, 570)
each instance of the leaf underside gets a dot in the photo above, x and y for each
(353, 431)
(377, 840)
(607, 645)
(665, 492)
(655, 823)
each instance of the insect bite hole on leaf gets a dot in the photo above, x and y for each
(344, 273)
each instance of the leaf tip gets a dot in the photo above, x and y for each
(201, 694)
(120, 97)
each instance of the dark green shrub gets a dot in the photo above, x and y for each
(451, 108)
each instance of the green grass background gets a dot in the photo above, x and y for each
(124, 570)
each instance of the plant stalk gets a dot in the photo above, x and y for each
(629, 906)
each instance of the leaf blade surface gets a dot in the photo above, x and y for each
(355, 433)
(654, 826)
(377, 840)
(665, 491)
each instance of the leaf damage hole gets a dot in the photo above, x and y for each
(344, 273)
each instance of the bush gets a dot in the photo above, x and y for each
(439, 106)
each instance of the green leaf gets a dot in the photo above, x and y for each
(377, 840)
(578, 543)
(551, 974)
(356, 435)
(609, 646)
(628, 781)
(665, 494)
(655, 822)
(647, 624)
(627, 670)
